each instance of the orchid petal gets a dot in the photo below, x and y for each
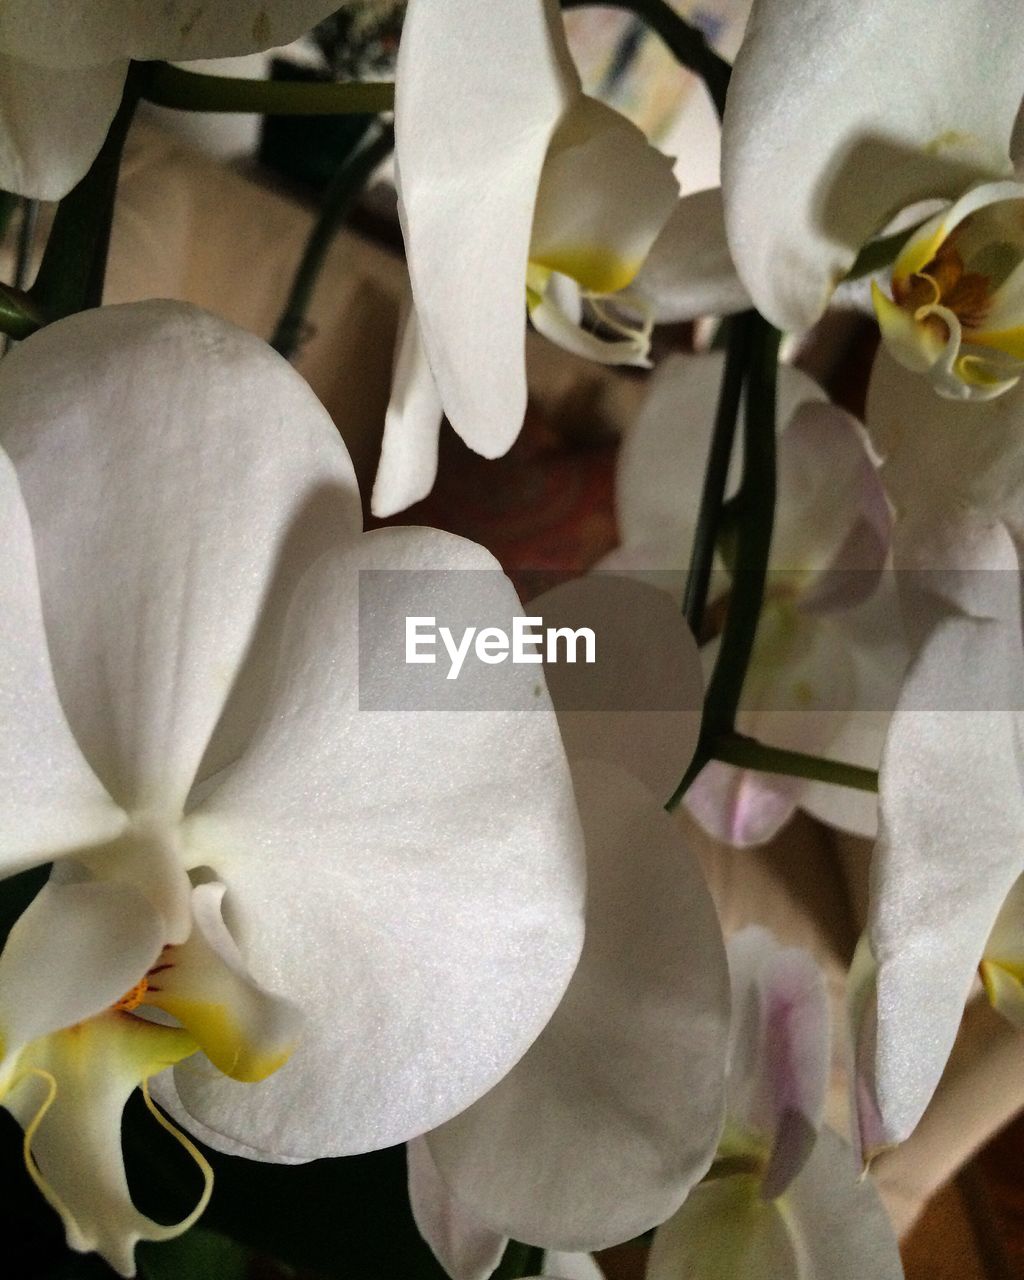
(615, 1112)
(480, 93)
(939, 454)
(74, 951)
(50, 801)
(600, 241)
(157, 543)
(68, 33)
(839, 1219)
(725, 1231)
(571, 1266)
(412, 424)
(465, 1247)
(53, 122)
(639, 704)
(779, 1058)
(742, 807)
(245, 1031)
(68, 1097)
(959, 839)
(689, 271)
(806, 140)
(380, 809)
(663, 457)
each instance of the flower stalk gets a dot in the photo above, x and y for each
(685, 41)
(195, 91)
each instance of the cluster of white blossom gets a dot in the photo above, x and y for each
(319, 928)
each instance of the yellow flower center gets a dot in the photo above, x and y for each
(133, 998)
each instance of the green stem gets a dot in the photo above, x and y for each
(756, 507)
(755, 511)
(338, 201)
(19, 315)
(748, 753)
(193, 91)
(74, 264)
(712, 498)
(684, 41)
(519, 1260)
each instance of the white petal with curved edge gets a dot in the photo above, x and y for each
(689, 271)
(839, 1219)
(481, 89)
(571, 1266)
(464, 1246)
(412, 424)
(615, 1112)
(245, 1031)
(780, 1051)
(52, 123)
(50, 800)
(69, 1099)
(725, 1231)
(605, 193)
(926, 99)
(72, 953)
(951, 831)
(661, 464)
(82, 33)
(639, 704)
(941, 454)
(170, 464)
(412, 878)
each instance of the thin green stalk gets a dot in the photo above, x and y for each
(748, 753)
(74, 263)
(338, 201)
(684, 41)
(19, 315)
(716, 475)
(193, 91)
(756, 505)
(755, 511)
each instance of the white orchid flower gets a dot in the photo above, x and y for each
(63, 65)
(516, 192)
(784, 1200)
(821, 153)
(615, 1112)
(362, 917)
(826, 662)
(945, 893)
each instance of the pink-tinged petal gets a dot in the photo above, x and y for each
(412, 424)
(178, 476)
(779, 1061)
(615, 1112)
(742, 807)
(898, 104)
(481, 90)
(639, 704)
(382, 866)
(464, 1246)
